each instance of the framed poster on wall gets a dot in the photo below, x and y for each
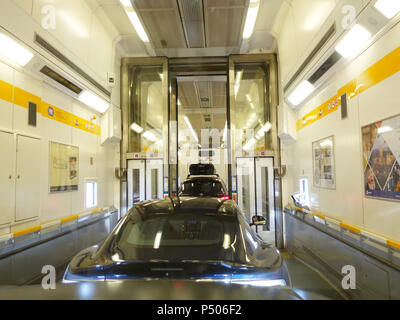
(324, 163)
(64, 167)
(381, 159)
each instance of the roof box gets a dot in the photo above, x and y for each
(202, 169)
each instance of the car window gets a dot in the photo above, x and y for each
(177, 236)
(202, 188)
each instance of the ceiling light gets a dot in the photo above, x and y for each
(133, 17)
(135, 127)
(249, 144)
(191, 129)
(149, 136)
(385, 129)
(353, 42)
(301, 93)
(157, 240)
(94, 101)
(126, 3)
(239, 75)
(251, 19)
(14, 51)
(389, 8)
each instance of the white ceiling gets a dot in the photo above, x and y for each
(164, 20)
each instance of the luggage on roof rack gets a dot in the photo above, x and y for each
(201, 169)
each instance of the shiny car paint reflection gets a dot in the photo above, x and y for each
(251, 260)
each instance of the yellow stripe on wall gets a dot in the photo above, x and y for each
(381, 70)
(22, 99)
(6, 91)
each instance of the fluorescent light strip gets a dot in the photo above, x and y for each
(251, 19)
(157, 240)
(149, 136)
(353, 42)
(94, 101)
(389, 8)
(13, 51)
(301, 93)
(191, 129)
(135, 127)
(133, 17)
(385, 129)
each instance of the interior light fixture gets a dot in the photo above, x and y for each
(301, 93)
(13, 51)
(157, 240)
(249, 144)
(133, 17)
(149, 136)
(191, 129)
(389, 8)
(251, 18)
(385, 129)
(94, 101)
(135, 127)
(239, 75)
(353, 42)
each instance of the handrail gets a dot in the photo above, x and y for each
(355, 229)
(44, 225)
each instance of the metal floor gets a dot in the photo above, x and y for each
(305, 278)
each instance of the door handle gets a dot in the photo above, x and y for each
(18, 176)
(10, 177)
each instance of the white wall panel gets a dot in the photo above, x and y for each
(347, 202)
(7, 177)
(6, 108)
(27, 204)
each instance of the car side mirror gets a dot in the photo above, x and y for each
(258, 221)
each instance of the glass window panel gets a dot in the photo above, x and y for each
(252, 114)
(146, 109)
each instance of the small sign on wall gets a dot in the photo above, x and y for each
(324, 163)
(381, 159)
(64, 167)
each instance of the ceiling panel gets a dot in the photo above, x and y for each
(218, 93)
(154, 4)
(164, 28)
(225, 3)
(187, 95)
(224, 26)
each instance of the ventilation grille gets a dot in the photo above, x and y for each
(192, 20)
(49, 48)
(329, 63)
(60, 79)
(321, 43)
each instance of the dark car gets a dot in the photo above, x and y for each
(182, 238)
(203, 182)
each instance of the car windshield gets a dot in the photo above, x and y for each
(202, 188)
(176, 237)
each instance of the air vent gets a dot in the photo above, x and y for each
(49, 48)
(329, 63)
(318, 47)
(60, 79)
(192, 20)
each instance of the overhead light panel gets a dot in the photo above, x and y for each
(353, 42)
(133, 17)
(301, 93)
(385, 129)
(191, 129)
(13, 51)
(135, 127)
(389, 8)
(94, 101)
(149, 136)
(251, 18)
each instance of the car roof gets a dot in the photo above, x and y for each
(187, 204)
